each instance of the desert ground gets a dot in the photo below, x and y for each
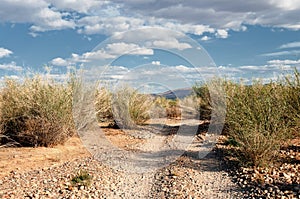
(47, 172)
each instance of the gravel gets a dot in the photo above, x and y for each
(185, 178)
(280, 180)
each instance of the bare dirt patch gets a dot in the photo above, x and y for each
(121, 139)
(27, 158)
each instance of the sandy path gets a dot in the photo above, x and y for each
(125, 165)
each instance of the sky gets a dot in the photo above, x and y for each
(160, 42)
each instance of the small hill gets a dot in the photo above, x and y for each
(174, 94)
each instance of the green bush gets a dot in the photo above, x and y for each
(205, 106)
(82, 178)
(291, 97)
(259, 117)
(36, 112)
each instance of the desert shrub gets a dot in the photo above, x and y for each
(205, 106)
(36, 112)
(173, 112)
(158, 109)
(125, 107)
(211, 101)
(260, 118)
(173, 109)
(131, 108)
(256, 120)
(103, 105)
(190, 107)
(166, 108)
(82, 178)
(290, 92)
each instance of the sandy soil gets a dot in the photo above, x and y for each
(26, 158)
(197, 178)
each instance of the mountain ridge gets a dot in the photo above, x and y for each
(175, 94)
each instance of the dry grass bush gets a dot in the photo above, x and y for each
(159, 106)
(125, 107)
(103, 105)
(131, 108)
(173, 109)
(205, 106)
(36, 112)
(190, 107)
(166, 108)
(255, 119)
(260, 117)
(291, 97)
(211, 101)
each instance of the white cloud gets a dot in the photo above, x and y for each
(281, 53)
(222, 34)
(85, 6)
(112, 25)
(186, 28)
(290, 45)
(95, 55)
(59, 62)
(50, 20)
(108, 25)
(5, 52)
(11, 67)
(205, 38)
(155, 63)
(108, 17)
(130, 48)
(146, 34)
(110, 51)
(181, 76)
(218, 14)
(36, 12)
(184, 69)
(284, 62)
(171, 43)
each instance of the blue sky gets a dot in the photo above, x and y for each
(247, 40)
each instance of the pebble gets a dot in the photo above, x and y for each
(281, 181)
(185, 178)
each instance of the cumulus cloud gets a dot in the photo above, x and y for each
(171, 44)
(59, 62)
(100, 17)
(85, 6)
(221, 14)
(108, 17)
(36, 12)
(196, 29)
(222, 34)
(11, 67)
(110, 51)
(5, 52)
(108, 25)
(117, 24)
(127, 48)
(205, 38)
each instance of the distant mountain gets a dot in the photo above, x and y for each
(174, 94)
